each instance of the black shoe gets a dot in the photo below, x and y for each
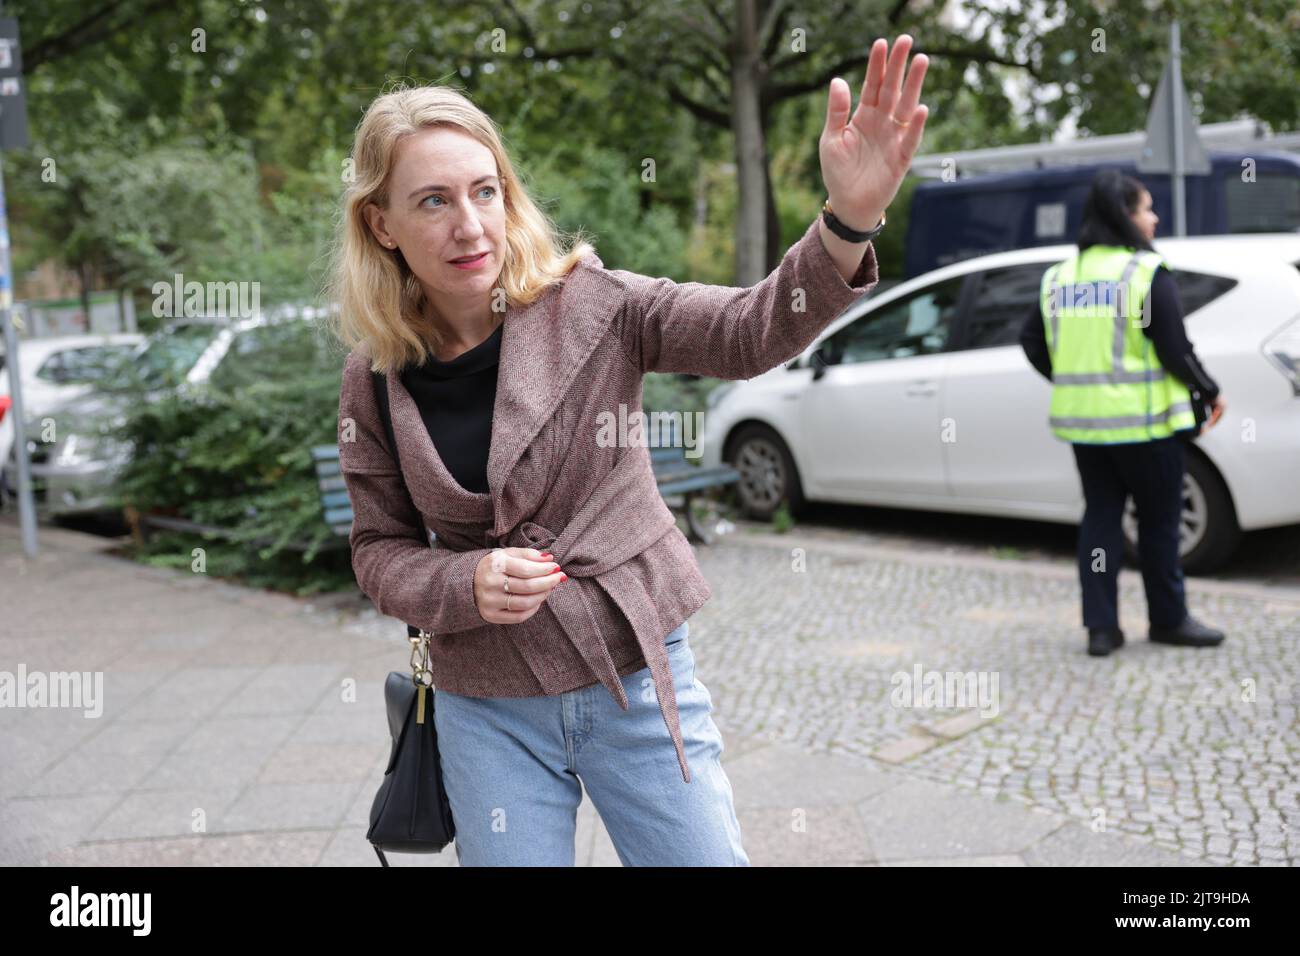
(1191, 633)
(1101, 641)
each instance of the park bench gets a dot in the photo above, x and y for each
(676, 476)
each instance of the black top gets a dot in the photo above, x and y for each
(456, 400)
(1165, 330)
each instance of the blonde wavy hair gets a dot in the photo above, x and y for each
(378, 300)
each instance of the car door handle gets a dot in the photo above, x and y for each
(921, 389)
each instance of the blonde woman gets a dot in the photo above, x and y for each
(559, 587)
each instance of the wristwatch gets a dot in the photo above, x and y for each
(843, 231)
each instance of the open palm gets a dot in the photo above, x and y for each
(864, 157)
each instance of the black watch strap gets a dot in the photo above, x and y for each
(843, 231)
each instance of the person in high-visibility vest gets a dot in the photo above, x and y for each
(1127, 390)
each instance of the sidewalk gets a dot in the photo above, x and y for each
(227, 737)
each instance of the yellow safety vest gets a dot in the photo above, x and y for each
(1108, 386)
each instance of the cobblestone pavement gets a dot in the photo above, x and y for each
(1194, 749)
(1268, 556)
(260, 716)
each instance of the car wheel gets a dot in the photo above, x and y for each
(1208, 533)
(767, 472)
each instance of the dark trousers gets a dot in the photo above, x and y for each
(1152, 472)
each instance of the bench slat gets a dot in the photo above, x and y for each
(338, 515)
(691, 484)
(673, 475)
(336, 499)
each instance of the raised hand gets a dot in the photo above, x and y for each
(864, 157)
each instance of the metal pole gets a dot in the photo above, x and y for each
(1178, 183)
(26, 504)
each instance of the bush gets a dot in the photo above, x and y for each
(236, 454)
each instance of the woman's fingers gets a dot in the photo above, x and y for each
(893, 81)
(527, 568)
(907, 103)
(531, 580)
(875, 75)
(912, 135)
(535, 585)
(521, 562)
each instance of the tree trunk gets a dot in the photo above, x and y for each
(772, 220)
(83, 274)
(751, 150)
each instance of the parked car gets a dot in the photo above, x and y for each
(922, 398)
(55, 371)
(76, 473)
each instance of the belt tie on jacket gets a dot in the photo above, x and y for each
(623, 517)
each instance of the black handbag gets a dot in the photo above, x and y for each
(411, 812)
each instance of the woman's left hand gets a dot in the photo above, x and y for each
(864, 157)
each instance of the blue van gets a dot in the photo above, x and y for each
(952, 221)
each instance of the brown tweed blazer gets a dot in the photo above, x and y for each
(579, 350)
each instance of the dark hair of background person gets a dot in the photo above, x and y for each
(1111, 200)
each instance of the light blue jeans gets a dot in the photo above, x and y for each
(515, 768)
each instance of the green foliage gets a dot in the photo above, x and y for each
(606, 204)
(236, 455)
(782, 520)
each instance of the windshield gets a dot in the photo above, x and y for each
(168, 358)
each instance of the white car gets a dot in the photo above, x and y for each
(921, 397)
(58, 370)
(77, 472)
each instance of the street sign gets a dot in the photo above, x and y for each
(13, 98)
(1157, 154)
(1173, 143)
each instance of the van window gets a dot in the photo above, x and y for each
(1270, 204)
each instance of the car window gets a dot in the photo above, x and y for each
(92, 363)
(917, 324)
(51, 369)
(170, 356)
(264, 353)
(1003, 297)
(1198, 289)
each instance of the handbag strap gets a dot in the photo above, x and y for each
(379, 381)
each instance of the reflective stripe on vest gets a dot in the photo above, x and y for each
(1107, 384)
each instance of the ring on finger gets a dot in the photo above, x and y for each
(899, 121)
(507, 601)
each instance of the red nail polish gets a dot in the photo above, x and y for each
(548, 555)
(563, 577)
